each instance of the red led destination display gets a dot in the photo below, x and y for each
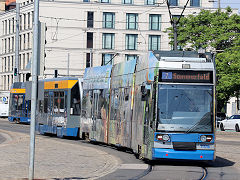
(186, 76)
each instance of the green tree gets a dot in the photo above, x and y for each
(218, 31)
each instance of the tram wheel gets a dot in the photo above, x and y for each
(237, 128)
(17, 121)
(221, 127)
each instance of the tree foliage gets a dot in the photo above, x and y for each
(218, 31)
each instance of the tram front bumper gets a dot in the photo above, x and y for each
(203, 155)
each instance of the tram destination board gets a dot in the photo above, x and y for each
(175, 76)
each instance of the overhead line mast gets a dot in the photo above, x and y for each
(174, 23)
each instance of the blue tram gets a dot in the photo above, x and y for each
(59, 106)
(162, 105)
(19, 104)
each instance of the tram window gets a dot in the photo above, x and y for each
(46, 102)
(75, 100)
(86, 105)
(29, 106)
(20, 102)
(58, 102)
(40, 105)
(126, 94)
(14, 102)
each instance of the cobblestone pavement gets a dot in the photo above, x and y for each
(53, 159)
(228, 146)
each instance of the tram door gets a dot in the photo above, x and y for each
(50, 108)
(95, 109)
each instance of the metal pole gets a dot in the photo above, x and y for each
(16, 78)
(34, 89)
(175, 34)
(219, 4)
(68, 63)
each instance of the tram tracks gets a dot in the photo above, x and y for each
(144, 173)
(205, 173)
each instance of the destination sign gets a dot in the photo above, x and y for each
(186, 76)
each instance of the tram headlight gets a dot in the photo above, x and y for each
(162, 137)
(207, 138)
(203, 138)
(159, 137)
(166, 137)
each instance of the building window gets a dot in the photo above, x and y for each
(108, 20)
(5, 45)
(155, 22)
(20, 22)
(12, 44)
(20, 42)
(5, 64)
(173, 2)
(195, 3)
(105, 1)
(88, 60)
(131, 41)
(28, 58)
(154, 42)
(23, 61)
(29, 18)
(132, 20)
(24, 21)
(90, 20)
(9, 63)
(20, 61)
(9, 26)
(107, 59)
(28, 40)
(13, 25)
(86, 0)
(108, 41)
(89, 40)
(5, 26)
(24, 41)
(9, 44)
(129, 57)
(127, 1)
(12, 64)
(150, 2)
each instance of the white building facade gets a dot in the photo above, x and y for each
(233, 106)
(83, 33)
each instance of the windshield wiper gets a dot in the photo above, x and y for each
(204, 118)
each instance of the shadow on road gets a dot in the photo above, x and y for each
(219, 162)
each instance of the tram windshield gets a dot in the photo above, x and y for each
(17, 102)
(185, 108)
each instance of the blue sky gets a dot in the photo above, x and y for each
(231, 3)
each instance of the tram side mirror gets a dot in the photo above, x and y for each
(71, 110)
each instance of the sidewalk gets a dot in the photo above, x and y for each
(53, 159)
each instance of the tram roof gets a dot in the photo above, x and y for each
(192, 56)
(59, 79)
(97, 77)
(18, 85)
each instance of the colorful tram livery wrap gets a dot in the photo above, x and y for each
(162, 106)
(59, 106)
(20, 103)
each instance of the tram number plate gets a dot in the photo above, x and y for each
(205, 146)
